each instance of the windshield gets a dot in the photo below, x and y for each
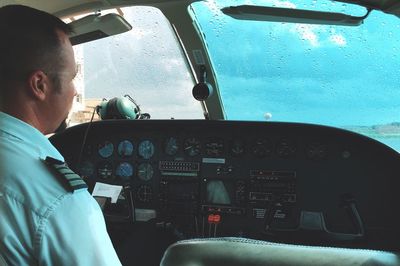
(339, 76)
(145, 63)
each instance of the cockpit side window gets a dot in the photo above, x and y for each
(145, 63)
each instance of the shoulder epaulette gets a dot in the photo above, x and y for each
(73, 181)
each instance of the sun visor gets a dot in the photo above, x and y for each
(95, 27)
(278, 14)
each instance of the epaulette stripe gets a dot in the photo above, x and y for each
(73, 180)
(60, 166)
(63, 168)
(65, 171)
(72, 176)
(76, 183)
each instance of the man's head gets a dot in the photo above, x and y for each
(37, 67)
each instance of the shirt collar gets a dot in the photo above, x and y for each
(26, 133)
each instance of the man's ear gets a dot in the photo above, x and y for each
(38, 84)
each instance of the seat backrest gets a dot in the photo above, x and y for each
(248, 252)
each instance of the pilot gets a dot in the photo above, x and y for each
(47, 216)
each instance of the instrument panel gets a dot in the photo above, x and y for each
(266, 180)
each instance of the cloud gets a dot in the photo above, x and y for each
(315, 36)
(139, 33)
(286, 4)
(170, 64)
(213, 7)
(307, 33)
(338, 39)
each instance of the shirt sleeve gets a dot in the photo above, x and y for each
(75, 234)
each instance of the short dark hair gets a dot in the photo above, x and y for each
(29, 42)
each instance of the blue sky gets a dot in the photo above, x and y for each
(333, 75)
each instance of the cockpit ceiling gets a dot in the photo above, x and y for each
(387, 6)
(63, 8)
(72, 7)
(54, 6)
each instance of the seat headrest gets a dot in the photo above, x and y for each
(242, 251)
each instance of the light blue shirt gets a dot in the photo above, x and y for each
(41, 222)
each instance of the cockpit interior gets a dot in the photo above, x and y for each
(283, 182)
(211, 185)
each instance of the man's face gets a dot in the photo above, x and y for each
(61, 94)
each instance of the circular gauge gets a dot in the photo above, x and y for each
(125, 148)
(237, 147)
(145, 193)
(286, 148)
(105, 170)
(171, 146)
(145, 171)
(192, 146)
(146, 149)
(214, 148)
(105, 149)
(86, 169)
(262, 148)
(124, 171)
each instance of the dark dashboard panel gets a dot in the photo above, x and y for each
(279, 181)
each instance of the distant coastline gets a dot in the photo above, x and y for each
(391, 130)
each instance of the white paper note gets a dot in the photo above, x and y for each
(106, 190)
